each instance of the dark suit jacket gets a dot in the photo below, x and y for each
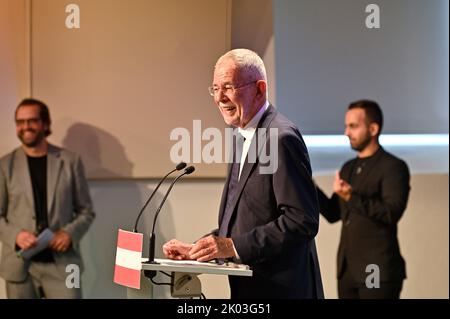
(276, 218)
(369, 231)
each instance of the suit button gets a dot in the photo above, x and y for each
(347, 222)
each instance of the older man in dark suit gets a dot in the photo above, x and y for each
(269, 214)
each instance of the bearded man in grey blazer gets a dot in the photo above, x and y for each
(41, 187)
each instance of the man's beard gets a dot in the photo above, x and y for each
(38, 138)
(362, 145)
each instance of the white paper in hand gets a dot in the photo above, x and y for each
(42, 243)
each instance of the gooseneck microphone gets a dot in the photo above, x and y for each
(179, 167)
(151, 256)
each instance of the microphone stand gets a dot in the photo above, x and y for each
(177, 168)
(151, 255)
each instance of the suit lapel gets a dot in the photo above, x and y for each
(24, 172)
(248, 167)
(223, 200)
(54, 164)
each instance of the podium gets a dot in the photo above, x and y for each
(184, 280)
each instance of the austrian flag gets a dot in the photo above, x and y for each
(127, 271)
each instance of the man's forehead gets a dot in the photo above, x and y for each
(226, 72)
(31, 109)
(356, 114)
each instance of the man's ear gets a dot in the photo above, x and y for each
(374, 129)
(261, 88)
(46, 127)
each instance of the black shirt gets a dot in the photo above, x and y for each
(359, 166)
(38, 174)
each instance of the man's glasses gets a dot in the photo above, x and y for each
(227, 88)
(31, 121)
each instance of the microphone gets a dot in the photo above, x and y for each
(151, 256)
(179, 167)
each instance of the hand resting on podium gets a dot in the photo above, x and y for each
(205, 249)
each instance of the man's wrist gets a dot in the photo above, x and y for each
(236, 255)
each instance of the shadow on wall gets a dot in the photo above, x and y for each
(102, 153)
(116, 203)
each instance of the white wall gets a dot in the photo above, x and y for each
(14, 64)
(129, 66)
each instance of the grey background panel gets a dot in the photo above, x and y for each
(327, 58)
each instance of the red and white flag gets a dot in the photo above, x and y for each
(127, 271)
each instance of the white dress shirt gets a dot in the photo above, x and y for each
(248, 132)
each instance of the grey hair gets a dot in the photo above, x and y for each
(247, 61)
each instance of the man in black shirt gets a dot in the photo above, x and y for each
(41, 187)
(370, 195)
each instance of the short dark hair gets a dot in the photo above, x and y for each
(44, 113)
(372, 110)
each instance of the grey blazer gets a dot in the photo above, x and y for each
(69, 207)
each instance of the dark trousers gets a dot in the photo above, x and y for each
(348, 288)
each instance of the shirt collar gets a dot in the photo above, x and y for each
(248, 131)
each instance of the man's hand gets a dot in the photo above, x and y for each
(211, 247)
(25, 240)
(175, 249)
(342, 188)
(60, 242)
